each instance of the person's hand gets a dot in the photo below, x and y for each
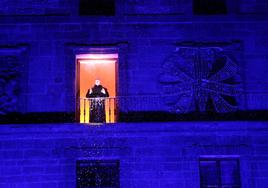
(90, 91)
(103, 91)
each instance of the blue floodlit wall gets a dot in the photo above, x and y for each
(38, 41)
(43, 35)
(151, 154)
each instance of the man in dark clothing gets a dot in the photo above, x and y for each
(97, 102)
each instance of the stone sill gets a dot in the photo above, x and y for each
(136, 117)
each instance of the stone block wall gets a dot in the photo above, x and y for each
(35, 7)
(150, 37)
(150, 154)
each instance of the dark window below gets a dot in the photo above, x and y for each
(97, 7)
(219, 173)
(209, 7)
(95, 173)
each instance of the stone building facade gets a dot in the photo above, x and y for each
(149, 154)
(176, 60)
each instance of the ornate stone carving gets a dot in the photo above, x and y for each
(9, 86)
(201, 79)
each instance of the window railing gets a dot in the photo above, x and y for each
(100, 110)
(158, 108)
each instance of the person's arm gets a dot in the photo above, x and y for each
(107, 93)
(89, 93)
(104, 92)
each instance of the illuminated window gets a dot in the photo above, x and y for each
(219, 172)
(209, 7)
(97, 7)
(91, 67)
(96, 173)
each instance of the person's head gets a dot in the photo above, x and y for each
(97, 82)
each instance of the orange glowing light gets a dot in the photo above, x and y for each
(97, 56)
(92, 67)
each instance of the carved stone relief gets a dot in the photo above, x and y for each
(201, 79)
(9, 84)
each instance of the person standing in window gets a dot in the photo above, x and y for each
(97, 95)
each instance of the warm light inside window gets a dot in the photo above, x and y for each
(96, 61)
(92, 67)
(96, 56)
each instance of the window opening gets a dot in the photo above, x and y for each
(97, 7)
(219, 172)
(209, 7)
(97, 105)
(96, 173)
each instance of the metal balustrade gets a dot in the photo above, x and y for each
(149, 108)
(111, 106)
(102, 108)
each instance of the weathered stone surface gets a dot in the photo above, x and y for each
(33, 7)
(155, 154)
(9, 84)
